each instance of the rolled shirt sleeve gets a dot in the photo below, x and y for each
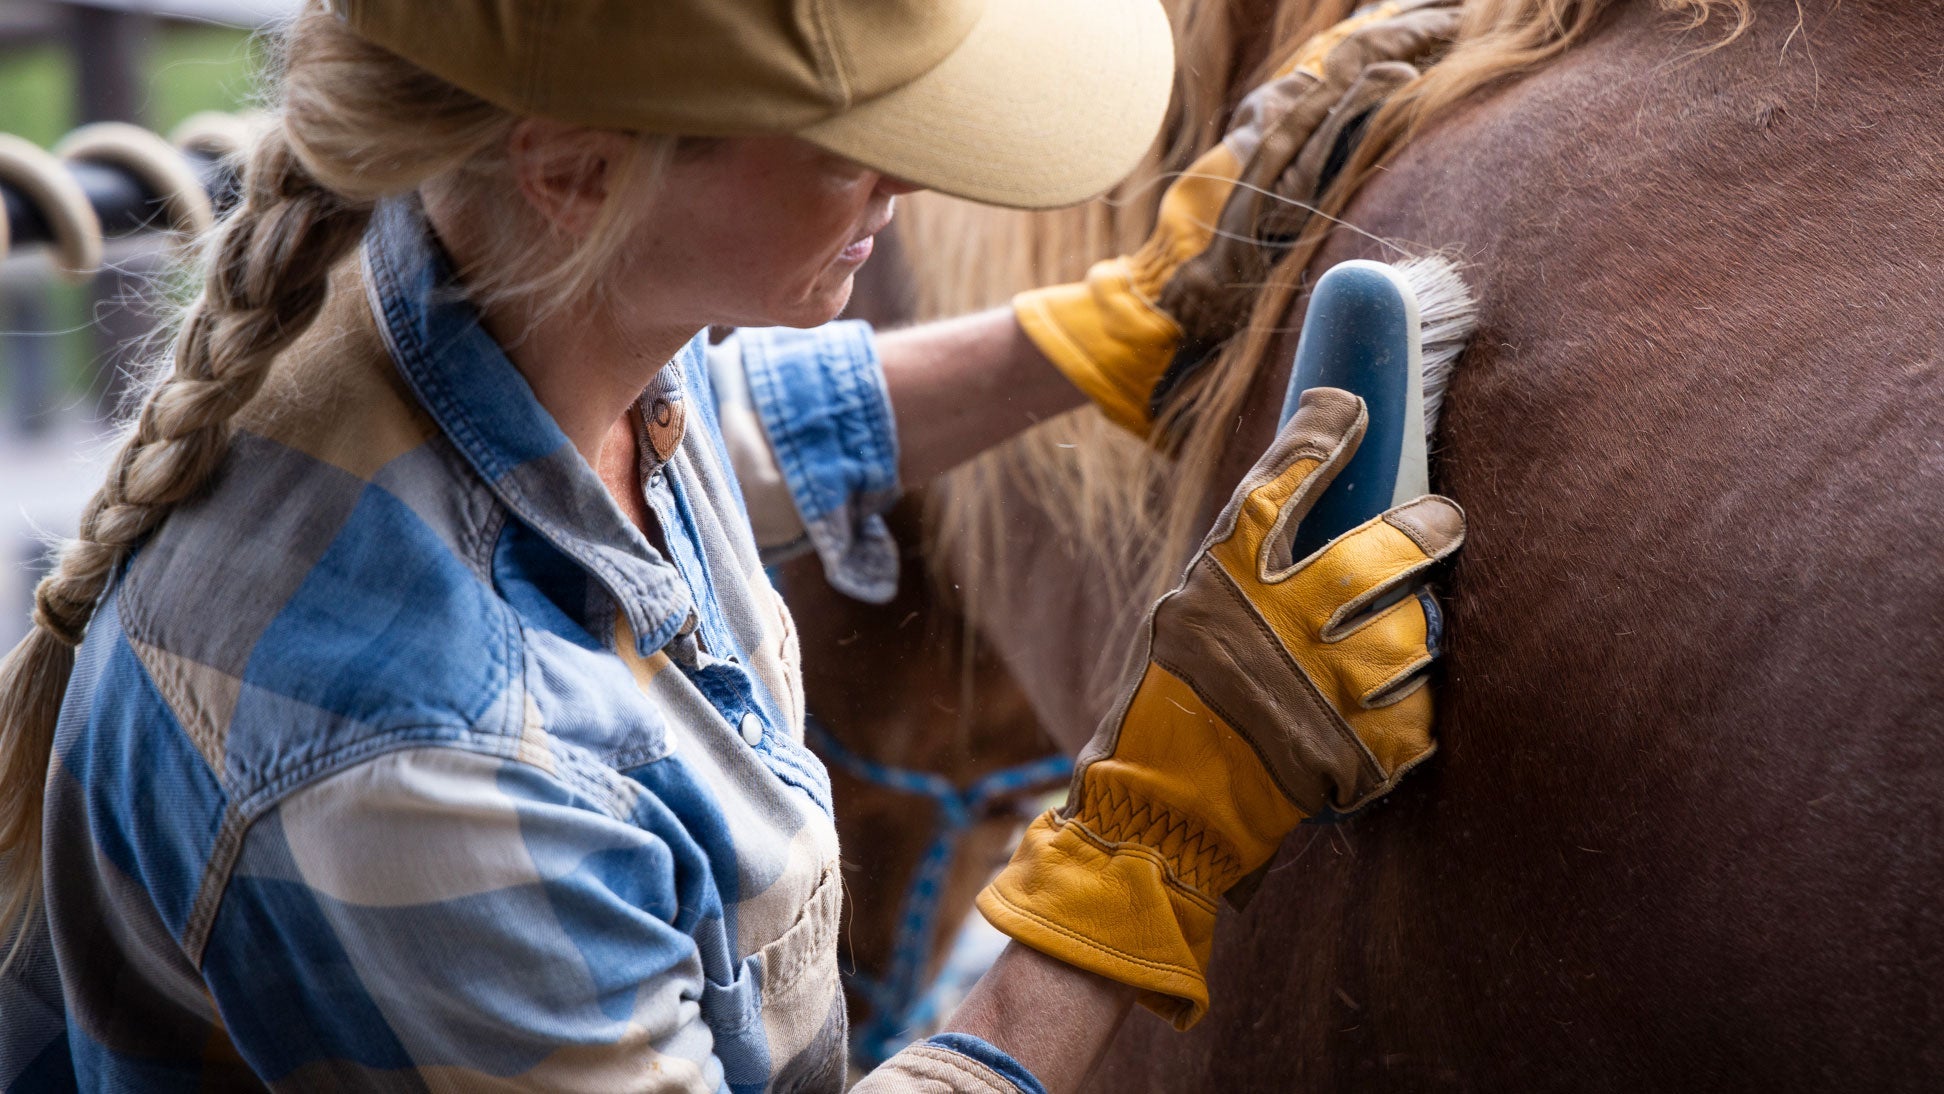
(958, 1063)
(819, 400)
(464, 918)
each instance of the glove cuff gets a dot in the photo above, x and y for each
(1110, 910)
(1107, 338)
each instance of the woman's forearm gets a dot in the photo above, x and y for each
(960, 386)
(1054, 1019)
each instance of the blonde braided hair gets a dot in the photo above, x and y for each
(356, 124)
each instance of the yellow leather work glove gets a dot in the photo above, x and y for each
(1153, 316)
(1271, 693)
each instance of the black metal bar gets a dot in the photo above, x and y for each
(126, 207)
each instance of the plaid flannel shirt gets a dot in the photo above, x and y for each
(402, 761)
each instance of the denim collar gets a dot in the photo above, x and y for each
(486, 408)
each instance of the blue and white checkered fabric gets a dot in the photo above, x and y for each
(402, 761)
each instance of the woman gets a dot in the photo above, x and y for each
(435, 724)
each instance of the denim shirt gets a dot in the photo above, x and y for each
(402, 760)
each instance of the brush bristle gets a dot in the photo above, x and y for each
(1447, 318)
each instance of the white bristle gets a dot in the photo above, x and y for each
(1447, 317)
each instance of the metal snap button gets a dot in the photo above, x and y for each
(752, 729)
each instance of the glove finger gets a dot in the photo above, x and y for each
(1378, 686)
(1358, 659)
(1296, 102)
(1302, 182)
(1263, 512)
(1384, 658)
(1409, 37)
(1398, 734)
(1372, 561)
(1274, 121)
(1260, 109)
(1316, 50)
(1270, 180)
(1309, 57)
(1328, 63)
(1293, 195)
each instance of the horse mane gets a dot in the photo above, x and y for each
(1096, 486)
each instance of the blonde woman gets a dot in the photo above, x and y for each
(412, 711)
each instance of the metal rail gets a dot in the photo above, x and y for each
(123, 204)
(112, 181)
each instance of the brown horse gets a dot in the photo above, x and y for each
(1684, 832)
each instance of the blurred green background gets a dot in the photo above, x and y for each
(189, 68)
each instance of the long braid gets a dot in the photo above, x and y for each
(269, 265)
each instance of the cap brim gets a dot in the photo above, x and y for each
(1045, 103)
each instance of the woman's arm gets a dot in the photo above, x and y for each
(960, 386)
(1049, 1017)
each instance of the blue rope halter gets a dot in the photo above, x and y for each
(898, 1003)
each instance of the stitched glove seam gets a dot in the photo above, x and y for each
(1335, 717)
(1137, 850)
(1225, 864)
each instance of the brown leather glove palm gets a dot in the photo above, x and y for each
(1141, 323)
(1271, 693)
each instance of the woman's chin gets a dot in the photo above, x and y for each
(838, 298)
(826, 304)
(812, 307)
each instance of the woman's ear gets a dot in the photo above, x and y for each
(563, 171)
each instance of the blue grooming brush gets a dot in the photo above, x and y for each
(1390, 334)
(1367, 331)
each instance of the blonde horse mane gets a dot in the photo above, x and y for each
(1095, 485)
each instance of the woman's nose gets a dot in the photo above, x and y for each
(896, 186)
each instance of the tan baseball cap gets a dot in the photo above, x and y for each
(1030, 103)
